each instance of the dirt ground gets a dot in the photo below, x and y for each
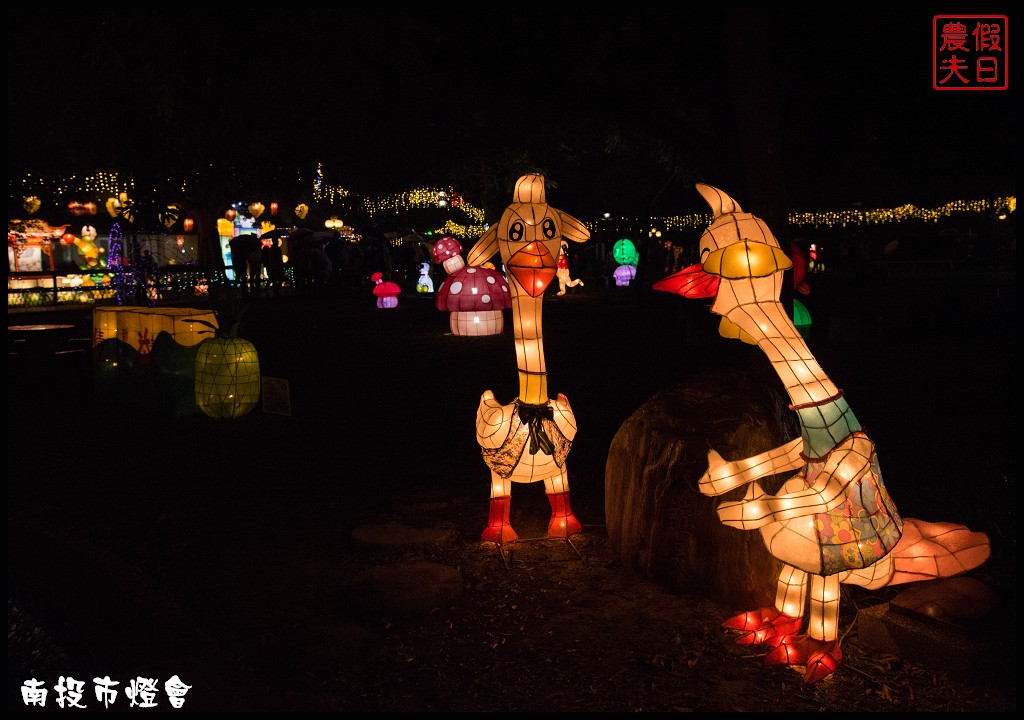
(230, 553)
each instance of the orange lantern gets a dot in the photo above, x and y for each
(188, 224)
(256, 209)
(273, 208)
(301, 210)
(230, 214)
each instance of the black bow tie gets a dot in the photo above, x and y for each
(532, 415)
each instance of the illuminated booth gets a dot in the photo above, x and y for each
(833, 521)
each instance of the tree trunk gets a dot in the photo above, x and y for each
(659, 523)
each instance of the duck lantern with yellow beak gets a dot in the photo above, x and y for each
(832, 521)
(527, 440)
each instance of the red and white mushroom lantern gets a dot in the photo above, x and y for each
(387, 292)
(476, 298)
(447, 254)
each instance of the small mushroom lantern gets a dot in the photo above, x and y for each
(476, 298)
(386, 291)
(447, 253)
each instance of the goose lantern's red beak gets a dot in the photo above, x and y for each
(690, 282)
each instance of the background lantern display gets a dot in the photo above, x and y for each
(424, 283)
(624, 252)
(170, 215)
(832, 521)
(565, 279)
(801, 315)
(624, 275)
(447, 253)
(386, 291)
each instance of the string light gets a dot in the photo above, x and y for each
(106, 184)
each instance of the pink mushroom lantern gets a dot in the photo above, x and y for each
(447, 253)
(386, 291)
(476, 298)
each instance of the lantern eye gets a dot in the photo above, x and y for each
(515, 231)
(549, 228)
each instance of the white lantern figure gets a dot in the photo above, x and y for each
(528, 439)
(424, 283)
(832, 521)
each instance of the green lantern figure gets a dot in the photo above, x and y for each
(624, 252)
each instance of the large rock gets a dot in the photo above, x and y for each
(659, 523)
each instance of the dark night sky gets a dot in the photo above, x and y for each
(391, 97)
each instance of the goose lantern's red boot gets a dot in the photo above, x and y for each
(498, 528)
(563, 522)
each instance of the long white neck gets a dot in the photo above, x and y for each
(770, 326)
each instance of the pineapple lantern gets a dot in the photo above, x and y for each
(227, 374)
